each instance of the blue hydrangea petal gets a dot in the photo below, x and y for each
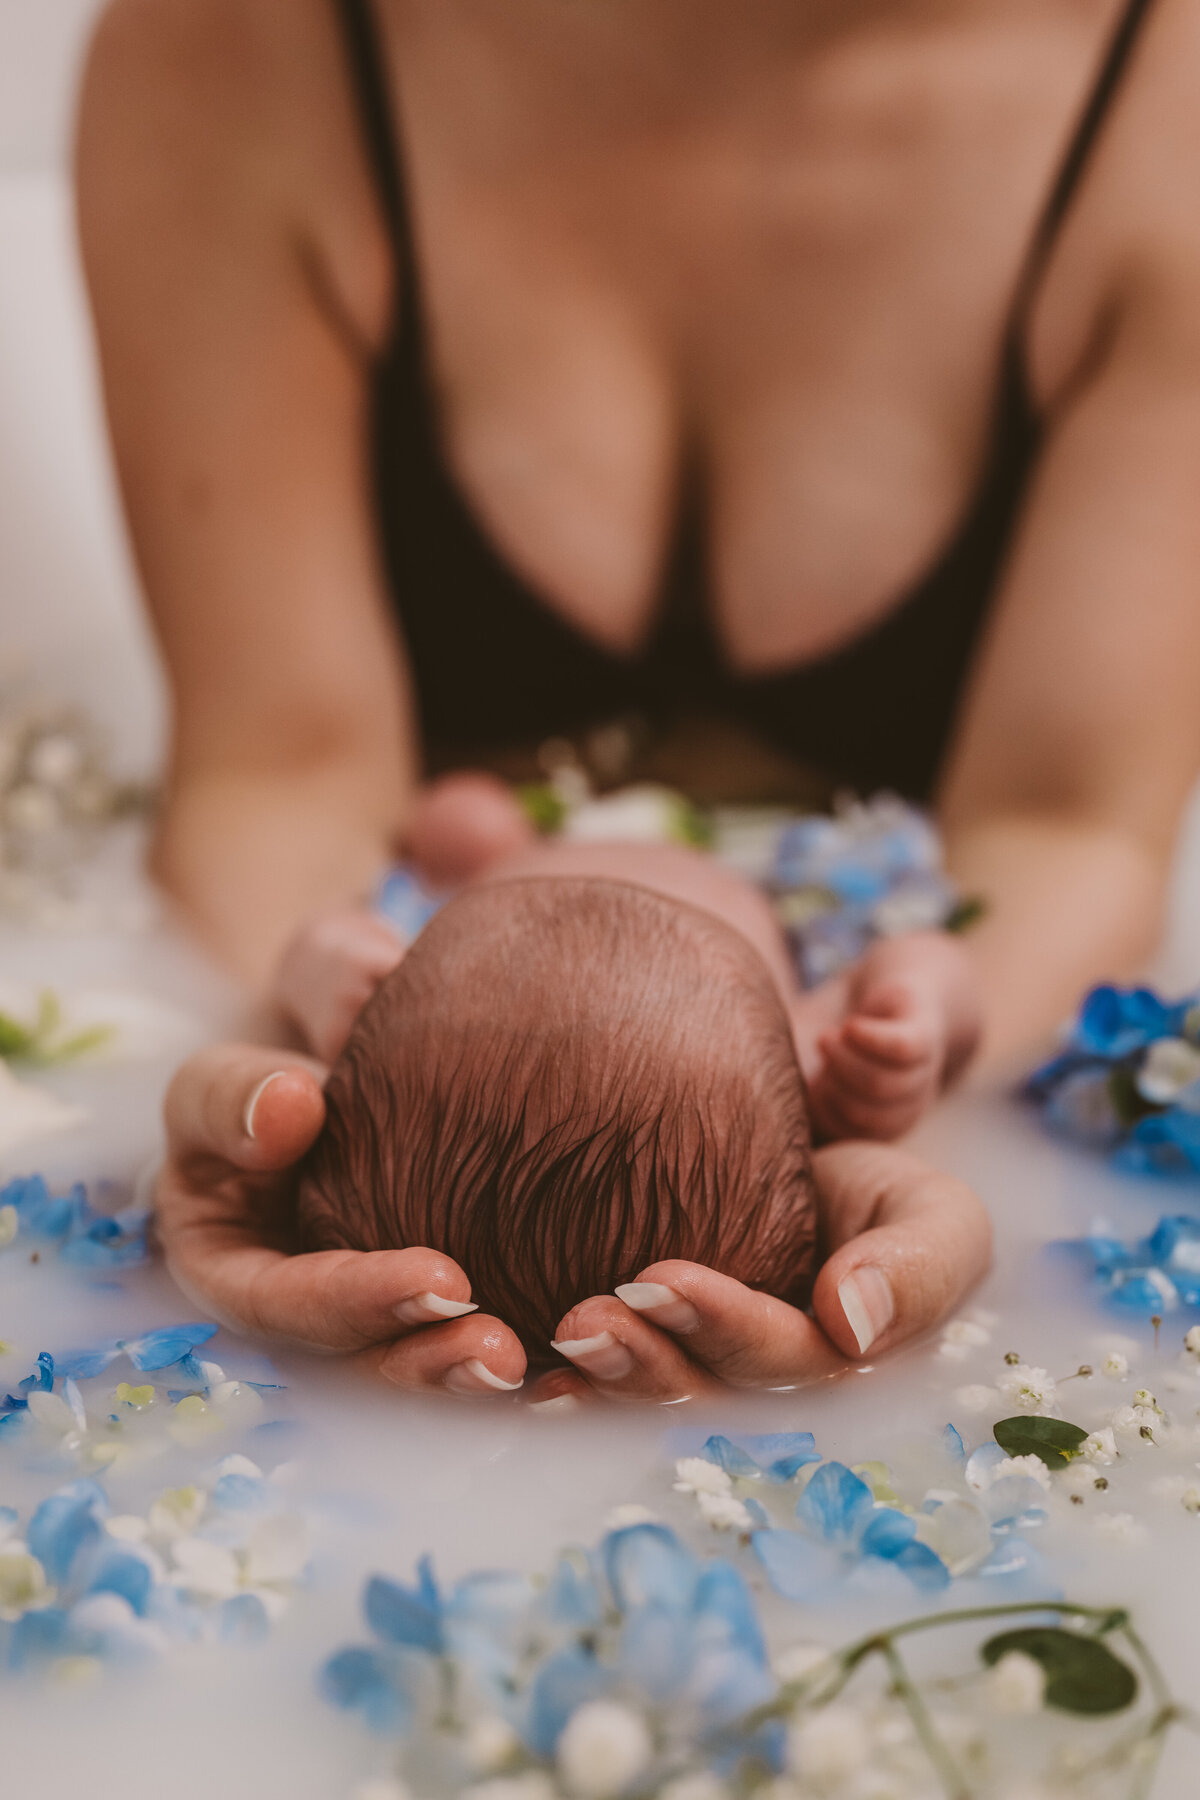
(887, 1533)
(952, 1443)
(159, 1349)
(836, 1504)
(777, 1454)
(796, 1566)
(657, 1650)
(724, 1612)
(37, 1636)
(572, 1595)
(65, 1526)
(122, 1572)
(924, 1568)
(243, 1620)
(241, 1493)
(563, 1683)
(369, 1682)
(404, 1615)
(42, 1380)
(647, 1563)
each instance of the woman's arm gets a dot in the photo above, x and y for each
(239, 283)
(1081, 738)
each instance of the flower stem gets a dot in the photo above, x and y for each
(948, 1773)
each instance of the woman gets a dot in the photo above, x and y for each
(826, 372)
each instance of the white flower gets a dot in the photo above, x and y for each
(975, 1398)
(1134, 1419)
(956, 1530)
(177, 1512)
(1120, 1528)
(9, 1224)
(1032, 1390)
(630, 1514)
(828, 1746)
(1191, 1342)
(965, 1331)
(603, 1748)
(696, 1475)
(724, 1512)
(702, 1786)
(1169, 1066)
(1190, 1500)
(1017, 1684)
(1100, 1446)
(1031, 1466)
(489, 1744)
(1115, 1366)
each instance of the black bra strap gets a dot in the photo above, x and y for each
(1079, 150)
(368, 72)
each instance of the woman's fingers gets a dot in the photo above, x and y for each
(244, 1105)
(474, 1357)
(622, 1355)
(741, 1336)
(908, 1244)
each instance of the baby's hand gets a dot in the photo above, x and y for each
(911, 1023)
(329, 971)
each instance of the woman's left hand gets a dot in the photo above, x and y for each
(905, 1243)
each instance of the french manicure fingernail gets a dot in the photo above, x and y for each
(868, 1303)
(664, 1305)
(423, 1309)
(252, 1102)
(557, 1403)
(602, 1356)
(474, 1377)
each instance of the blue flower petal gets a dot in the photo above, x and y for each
(37, 1636)
(836, 1504)
(241, 1493)
(924, 1568)
(952, 1443)
(122, 1572)
(796, 1566)
(370, 1682)
(647, 1563)
(777, 1455)
(887, 1533)
(657, 1650)
(66, 1525)
(243, 1620)
(81, 1365)
(404, 1615)
(565, 1681)
(572, 1596)
(42, 1382)
(159, 1349)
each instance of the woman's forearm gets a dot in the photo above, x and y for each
(1069, 903)
(248, 857)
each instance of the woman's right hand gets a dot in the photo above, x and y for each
(239, 1118)
(329, 970)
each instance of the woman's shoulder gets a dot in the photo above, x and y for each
(229, 116)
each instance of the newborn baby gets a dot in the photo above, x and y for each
(591, 1060)
(565, 1079)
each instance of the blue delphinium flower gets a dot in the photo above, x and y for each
(775, 1455)
(69, 1221)
(160, 1349)
(1155, 1274)
(842, 1525)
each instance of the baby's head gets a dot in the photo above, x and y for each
(564, 1081)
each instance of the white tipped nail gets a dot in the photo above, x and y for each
(252, 1102)
(475, 1377)
(557, 1403)
(669, 1309)
(423, 1309)
(868, 1303)
(602, 1355)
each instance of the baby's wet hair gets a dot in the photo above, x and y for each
(565, 1081)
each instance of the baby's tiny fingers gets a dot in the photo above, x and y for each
(859, 1078)
(895, 1041)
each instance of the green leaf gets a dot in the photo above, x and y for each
(543, 806)
(1029, 1434)
(15, 1039)
(967, 914)
(1082, 1674)
(93, 1037)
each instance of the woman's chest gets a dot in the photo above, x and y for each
(788, 273)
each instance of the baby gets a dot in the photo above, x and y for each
(594, 1058)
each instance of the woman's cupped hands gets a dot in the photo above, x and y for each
(902, 1244)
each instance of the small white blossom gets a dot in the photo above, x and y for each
(965, 1331)
(975, 1398)
(1017, 1684)
(1100, 1446)
(1032, 1390)
(1031, 1466)
(724, 1512)
(696, 1475)
(621, 1517)
(1191, 1342)
(1134, 1420)
(490, 1743)
(1115, 1366)
(828, 1746)
(603, 1748)
(1120, 1528)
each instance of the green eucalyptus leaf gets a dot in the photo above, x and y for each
(1029, 1434)
(16, 1040)
(966, 914)
(1082, 1674)
(543, 806)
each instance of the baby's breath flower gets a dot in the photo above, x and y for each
(1115, 1366)
(604, 1747)
(828, 1746)
(1191, 1342)
(1120, 1528)
(965, 1331)
(1032, 1466)
(1100, 1446)
(1134, 1420)
(696, 1475)
(1017, 1684)
(724, 1512)
(1190, 1500)
(975, 1398)
(1031, 1389)
(630, 1514)
(490, 1743)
